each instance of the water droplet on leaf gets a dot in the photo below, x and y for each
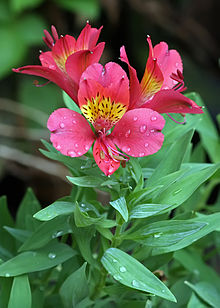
(135, 283)
(52, 255)
(122, 269)
(7, 275)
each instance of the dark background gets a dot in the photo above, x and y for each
(191, 27)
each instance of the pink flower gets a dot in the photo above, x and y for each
(104, 101)
(161, 86)
(68, 58)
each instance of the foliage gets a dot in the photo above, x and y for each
(147, 247)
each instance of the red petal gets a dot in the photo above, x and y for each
(153, 78)
(169, 61)
(70, 132)
(138, 132)
(80, 60)
(47, 60)
(53, 75)
(105, 163)
(63, 48)
(135, 89)
(88, 38)
(170, 101)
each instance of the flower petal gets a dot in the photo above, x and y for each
(135, 88)
(88, 37)
(70, 132)
(80, 60)
(105, 163)
(53, 75)
(47, 60)
(63, 48)
(170, 101)
(153, 78)
(169, 61)
(138, 132)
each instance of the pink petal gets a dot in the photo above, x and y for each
(80, 60)
(70, 132)
(47, 60)
(105, 163)
(135, 89)
(88, 37)
(169, 61)
(53, 75)
(170, 101)
(138, 132)
(110, 81)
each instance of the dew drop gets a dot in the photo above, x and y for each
(110, 170)
(114, 260)
(163, 291)
(177, 191)
(148, 134)
(146, 145)
(153, 118)
(58, 147)
(126, 149)
(79, 153)
(152, 130)
(87, 147)
(71, 153)
(122, 269)
(177, 64)
(7, 275)
(83, 205)
(135, 283)
(76, 145)
(117, 277)
(141, 154)
(142, 128)
(73, 121)
(62, 125)
(157, 235)
(57, 234)
(52, 255)
(135, 119)
(127, 133)
(52, 67)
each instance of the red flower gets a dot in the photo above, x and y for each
(68, 58)
(104, 100)
(161, 86)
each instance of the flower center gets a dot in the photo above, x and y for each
(102, 112)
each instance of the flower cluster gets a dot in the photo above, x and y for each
(125, 113)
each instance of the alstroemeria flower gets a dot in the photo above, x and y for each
(68, 58)
(161, 86)
(104, 100)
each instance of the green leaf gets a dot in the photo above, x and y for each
(18, 234)
(136, 169)
(28, 207)
(165, 233)
(121, 206)
(46, 232)
(148, 209)
(70, 103)
(128, 271)
(195, 302)
(173, 158)
(86, 181)
(212, 223)
(207, 131)
(20, 293)
(57, 208)
(182, 189)
(33, 261)
(75, 288)
(207, 292)
(5, 289)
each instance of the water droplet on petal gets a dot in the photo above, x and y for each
(135, 283)
(52, 255)
(146, 145)
(71, 153)
(135, 119)
(153, 118)
(73, 121)
(52, 67)
(79, 153)
(122, 269)
(141, 154)
(7, 275)
(62, 125)
(152, 130)
(58, 147)
(177, 64)
(142, 128)
(148, 134)
(76, 145)
(127, 133)
(87, 147)
(110, 170)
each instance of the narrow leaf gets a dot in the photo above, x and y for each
(20, 293)
(121, 206)
(57, 208)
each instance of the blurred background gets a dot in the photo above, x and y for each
(191, 27)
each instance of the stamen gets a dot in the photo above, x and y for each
(178, 122)
(54, 33)
(49, 39)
